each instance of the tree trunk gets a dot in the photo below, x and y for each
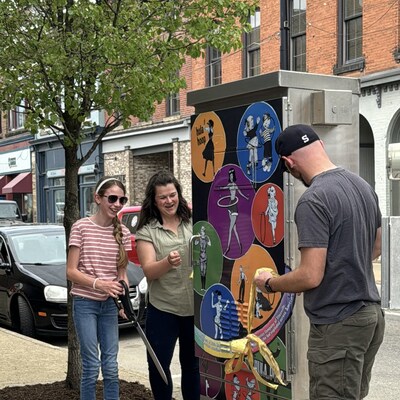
(74, 370)
(71, 214)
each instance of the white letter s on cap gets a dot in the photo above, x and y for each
(305, 138)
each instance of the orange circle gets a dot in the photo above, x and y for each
(207, 152)
(256, 257)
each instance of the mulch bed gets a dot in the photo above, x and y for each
(59, 390)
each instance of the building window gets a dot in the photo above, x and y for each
(353, 29)
(252, 47)
(173, 104)
(213, 65)
(298, 35)
(16, 118)
(350, 56)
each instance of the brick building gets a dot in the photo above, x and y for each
(344, 38)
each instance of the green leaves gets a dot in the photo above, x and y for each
(69, 57)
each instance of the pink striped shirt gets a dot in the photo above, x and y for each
(98, 254)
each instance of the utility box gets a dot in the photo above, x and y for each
(332, 107)
(243, 210)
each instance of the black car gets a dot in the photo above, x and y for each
(33, 285)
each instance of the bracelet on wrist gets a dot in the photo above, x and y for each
(268, 287)
(94, 283)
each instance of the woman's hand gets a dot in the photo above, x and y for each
(174, 258)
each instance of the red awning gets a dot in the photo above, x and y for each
(22, 183)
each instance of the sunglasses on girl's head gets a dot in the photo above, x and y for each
(112, 198)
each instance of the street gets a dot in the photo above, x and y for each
(385, 383)
(132, 356)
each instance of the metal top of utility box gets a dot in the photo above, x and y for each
(265, 87)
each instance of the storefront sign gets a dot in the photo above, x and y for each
(15, 161)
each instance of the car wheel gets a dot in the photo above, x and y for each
(26, 322)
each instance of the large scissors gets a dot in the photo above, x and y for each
(124, 302)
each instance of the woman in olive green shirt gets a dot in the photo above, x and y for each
(162, 240)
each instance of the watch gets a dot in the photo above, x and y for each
(268, 288)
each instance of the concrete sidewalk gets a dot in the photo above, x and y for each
(27, 361)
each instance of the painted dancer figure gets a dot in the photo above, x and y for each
(262, 304)
(232, 207)
(250, 133)
(208, 152)
(236, 388)
(204, 241)
(250, 386)
(242, 284)
(272, 210)
(266, 134)
(219, 307)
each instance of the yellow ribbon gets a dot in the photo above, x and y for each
(242, 348)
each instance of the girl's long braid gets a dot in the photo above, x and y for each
(122, 258)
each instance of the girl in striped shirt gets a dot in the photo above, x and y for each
(97, 261)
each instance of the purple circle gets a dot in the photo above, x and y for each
(229, 210)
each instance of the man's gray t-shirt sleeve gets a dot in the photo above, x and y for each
(312, 223)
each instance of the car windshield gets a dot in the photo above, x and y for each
(40, 248)
(8, 210)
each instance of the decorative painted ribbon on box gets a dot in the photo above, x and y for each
(241, 348)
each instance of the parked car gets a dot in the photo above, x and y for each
(9, 210)
(33, 285)
(129, 216)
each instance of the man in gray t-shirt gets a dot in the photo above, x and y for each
(339, 229)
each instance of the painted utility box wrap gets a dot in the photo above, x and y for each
(239, 213)
(243, 207)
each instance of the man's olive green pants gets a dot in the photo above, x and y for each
(341, 355)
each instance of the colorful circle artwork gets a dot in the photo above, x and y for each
(206, 247)
(218, 314)
(242, 385)
(256, 136)
(243, 271)
(208, 142)
(229, 210)
(268, 215)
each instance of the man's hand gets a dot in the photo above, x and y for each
(261, 278)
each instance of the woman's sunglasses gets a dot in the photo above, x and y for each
(112, 198)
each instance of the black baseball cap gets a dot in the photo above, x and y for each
(294, 137)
